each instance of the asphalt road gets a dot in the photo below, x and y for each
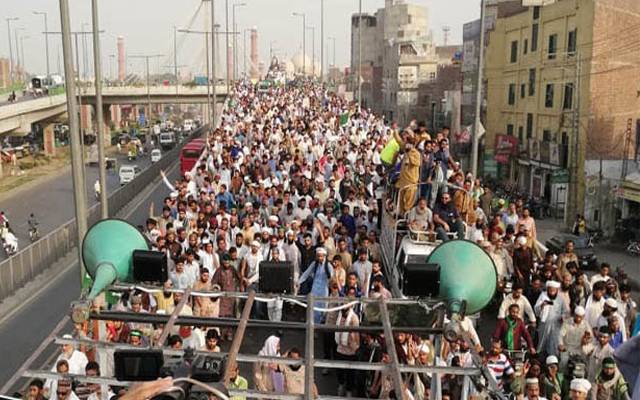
(23, 333)
(52, 201)
(19, 98)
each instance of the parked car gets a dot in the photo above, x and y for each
(583, 249)
(128, 173)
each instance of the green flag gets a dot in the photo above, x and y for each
(344, 118)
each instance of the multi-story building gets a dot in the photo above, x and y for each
(563, 102)
(397, 56)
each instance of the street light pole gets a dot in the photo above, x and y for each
(235, 41)
(322, 70)
(226, 27)
(175, 57)
(206, 45)
(213, 64)
(147, 58)
(313, 50)
(244, 50)
(16, 38)
(359, 53)
(304, 41)
(24, 69)
(100, 128)
(476, 126)
(11, 70)
(79, 192)
(46, 38)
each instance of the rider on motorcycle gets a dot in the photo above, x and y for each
(33, 225)
(96, 188)
(10, 242)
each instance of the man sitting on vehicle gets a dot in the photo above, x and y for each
(447, 219)
(512, 330)
(420, 218)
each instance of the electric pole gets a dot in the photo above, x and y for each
(476, 126)
(100, 128)
(79, 191)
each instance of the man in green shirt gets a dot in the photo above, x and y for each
(238, 383)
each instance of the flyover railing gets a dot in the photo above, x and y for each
(18, 270)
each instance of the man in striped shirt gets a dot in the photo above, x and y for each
(499, 365)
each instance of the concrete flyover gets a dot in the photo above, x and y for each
(156, 95)
(19, 116)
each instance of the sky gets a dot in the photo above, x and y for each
(147, 26)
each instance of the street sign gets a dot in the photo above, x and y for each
(534, 3)
(560, 176)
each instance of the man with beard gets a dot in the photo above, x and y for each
(550, 308)
(292, 254)
(566, 257)
(600, 352)
(572, 332)
(610, 310)
(499, 365)
(522, 260)
(532, 389)
(579, 389)
(580, 289)
(294, 375)
(595, 304)
(610, 384)
(512, 331)
(227, 278)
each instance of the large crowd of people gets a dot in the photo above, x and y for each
(301, 175)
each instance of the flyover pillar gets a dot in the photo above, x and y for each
(116, 115)
(49, 138)
(106, 120)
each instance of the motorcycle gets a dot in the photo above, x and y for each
(633, 247)
(34, 234)
(9, 242)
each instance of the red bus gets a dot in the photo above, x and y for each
(189, 155)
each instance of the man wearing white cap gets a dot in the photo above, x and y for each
(550, 308)
(552, 380)
(610, 310)
(572, 332)
(579, 389)
(319, 272)
(532, 389)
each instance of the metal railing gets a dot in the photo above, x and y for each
(18, 270)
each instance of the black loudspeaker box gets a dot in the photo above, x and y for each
(150, 266)
(276, 277)
(421, 278)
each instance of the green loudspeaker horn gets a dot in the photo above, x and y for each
(468, 276)
(107, 253)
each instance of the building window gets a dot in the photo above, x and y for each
(520, 134)
(548, 96)
(409, 19)
(567, 103)
(510, 129)
(529, 126)
(572, 42)
(546, 135)
(532, 82)
(525, 46)
(512, 94)
(534, 37)
(523, 90)
(536, 13)
(553, 46)
(514, 51)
